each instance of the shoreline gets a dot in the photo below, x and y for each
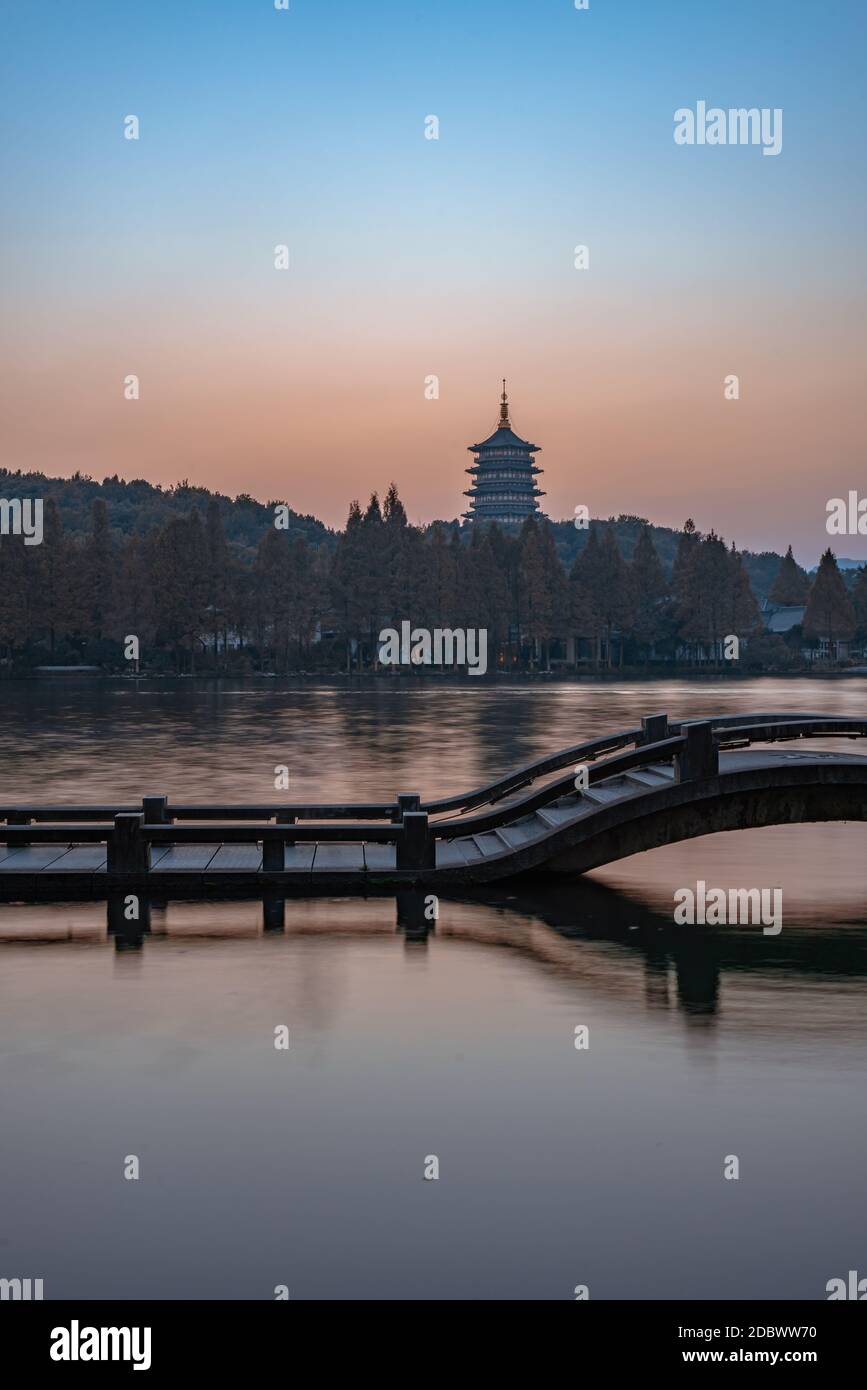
(89, 676)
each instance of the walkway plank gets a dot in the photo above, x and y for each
(490, 843)
(381, 857)
(339, 857)
(604, 793)
(235, 858)
(468, 848)
(646, 777)
(448, 855)
(186, 858)
(81, 859)
(299, 858)
(555, 816)
(33, 858)
(522, 833)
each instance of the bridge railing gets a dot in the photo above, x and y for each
(260, 811)
(524, 776)
(694, 747)
(662, 751)
(730, 721)
(654, 729)
(764, 730)
(129, 832)
(129, 838)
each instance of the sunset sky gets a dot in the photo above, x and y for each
(412, 257)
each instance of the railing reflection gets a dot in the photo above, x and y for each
(588, 933)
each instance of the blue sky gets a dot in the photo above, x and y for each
(555, 128)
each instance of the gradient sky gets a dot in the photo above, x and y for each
(454, 257)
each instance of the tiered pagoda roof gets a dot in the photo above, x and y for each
(504, 487)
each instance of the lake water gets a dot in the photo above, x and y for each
(305, 1167)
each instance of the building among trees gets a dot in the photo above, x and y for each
(504, 474)
(182, 577)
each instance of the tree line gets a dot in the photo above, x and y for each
(198, 601)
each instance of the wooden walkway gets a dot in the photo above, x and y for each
(650, 786)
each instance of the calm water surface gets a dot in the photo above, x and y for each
(304, 1167)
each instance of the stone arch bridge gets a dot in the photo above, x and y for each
(644, 787)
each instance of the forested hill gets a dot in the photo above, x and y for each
(761, 568)
(137, 507)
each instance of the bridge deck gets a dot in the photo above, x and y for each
(531, 840)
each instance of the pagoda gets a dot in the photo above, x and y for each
(503, 473)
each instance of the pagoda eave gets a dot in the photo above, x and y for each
(482, 468)
(522, 448)
(503, 473)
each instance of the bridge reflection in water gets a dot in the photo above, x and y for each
(583, 930)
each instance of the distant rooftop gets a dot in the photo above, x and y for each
(782, 617)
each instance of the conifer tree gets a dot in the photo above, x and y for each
(507, 553)
(392, 557)
(17, 572)
(135, 596)
(490, 597)
(584, 593)
(373, 594)
(442, 577)
(649, 590)
(791, 585)
(303, 604)
(859, 601)
(604, 574)
(411, 580)
(744, 617)
(274, 589)
(183, 585)
(52, 576)
(830, 616)
(583, 620)
(179, 583)
(705, 595)
(687, 549)
(97, 570)
(218, 572)
(462, 613)
(345, 581)
(543, 588)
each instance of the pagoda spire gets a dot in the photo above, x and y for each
(503, 472)
(505, 422)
